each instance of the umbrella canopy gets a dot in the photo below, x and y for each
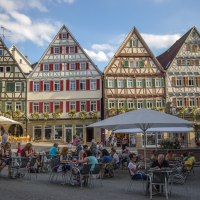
(143, 119)
(4, 121)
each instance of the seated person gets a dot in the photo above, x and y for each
(160, 162)
(170, 155)
(188, 164)
(54, 150)
(133, 168)
(28, 150)
(64, 160)
(154, 156)
(115, 157)
(106, 157)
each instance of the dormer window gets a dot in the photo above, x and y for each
(64, 35)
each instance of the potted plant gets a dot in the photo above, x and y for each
(112, 111)
(122, 110)
(45, 115)
(17, 114)
(35, 115)
(82, 114)
(72, 113)
(8, 114)
(56, 114)
(94, 114)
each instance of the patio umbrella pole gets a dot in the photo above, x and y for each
(145, 153)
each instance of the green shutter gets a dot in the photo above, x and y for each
(125, 63)
(144, 104)
(23, 106)
(12, 69)
(162, 82)
(13, 106)
(22, 88)
(3, 106)
(125, 83)
(141, 63)
(125, 104)
(131, 43)
(116, 104)
(106, 83)
(1, 86)
(135, 104)
(164, 103)
(116, 86)
(144, 83)
(154, 82)
(106, 104)
(137, 42)
(13, 87)
(134, 82)
(154, 103)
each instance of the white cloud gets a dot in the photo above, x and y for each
(160, 41)
(37, 4)
(99, 56)
(65, 1)
(102, 47)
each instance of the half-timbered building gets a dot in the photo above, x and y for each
(133, 79)
(65, 92)
(182, 64)
(12, 91)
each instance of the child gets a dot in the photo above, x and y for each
(19, 150)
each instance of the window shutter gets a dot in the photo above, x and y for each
(31, 86)
(116, 104)
(125, 104)
(67, 35)
(87, 65)
(40, 107)
(76, 49)
(51, 107)
(51, 50)
(173, 81)
(23, 106)
(163, 103)
(174, 102)
(60, 49)
(67, 85)
(98, 84)
(134, 82)
(145, 103)
(61, 106)
(77, 66)
(141, 63)
(125, 83)
(88, 106)
(98, 105)
(67, 49)
(61, 85)
(67, 106)
(162, 82)
(77, 106)
(131, 43)
(51, 67)
(13, 86)
(197, 81)
(41, 86)
(87, 84)
(30, 107)
(185, 81)
(144, 83)
(198, 102)
(135, 104)
(154, 103)
(51, 86)
(1, 86)
(60, 66)
(77, 85)
(125, 63)
(116, 86)
(153, 82)
(106, 104)
(186, 102)
(12, 69)
(106, 83)
(137, 42)
(41, 67)
(60, 36)
(67, 66)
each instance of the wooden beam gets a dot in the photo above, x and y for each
(133, 55)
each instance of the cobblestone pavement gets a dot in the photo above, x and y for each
(113, 188)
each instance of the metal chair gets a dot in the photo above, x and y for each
(96, 173)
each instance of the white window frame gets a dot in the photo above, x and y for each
(120, 83)
(8, 69)
(82, 85)
(56, 50)
(93, 106)
(46, 86)
(18, 106)
(72, 67)
(1, 52)
(1, 69)
(56, 106)
(72, 106)
(93, 84)
(139, 83)
(148, 82)
(130, 104)
(64, 35)
(111, 83)
(140, 104)
(179, 102)
(56, 67)
(158, 82)
(192, 102)
(158, 104)
(71, 49)
(58, 127)
(111, 104)
(35, 107)
(46, 107)
(179, 81)
(129, 83)
(121, 104)
(191, 81)
(72, 84)
(82, 66)
(46, 67)
(56, 86)
(149, 103)
(9, 106)
(83, 106)
(18, 87)
(36, 86)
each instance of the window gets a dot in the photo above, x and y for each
(36, 87)
(129, 83)
(140, 104)
(47, 132)
(178, 81)
(46, 86)
(1, 52)
(72, 105)
(64, 35)
(188, 62)
(58, 132)
(1, 69)
(10, 87)
(149, 104)
(35, 107)
(18, 106)
(139, 83)
(148, 82)
(46, 67)
(93, 106)
(57, 85)
(130, 104)
(134, 43)
(83, 66)
(72, 85)
(18, 87)
(192, 102)
(179, 102)
(120, 83)
(71, 49)
(82, 84)
(191, 81)
(93, 85)
(79, 131)
(72, 66)
(8, 69)
(194, 48)
(38, 132)
(158, 82)
(134, 64)
(83, 106)
(56, 106)
(56, 67)
(121, 104)
(183, 62)
(111, 83)
(111, 104)
(158, 103)
(56, 50)
(8, 106)
(46, 107)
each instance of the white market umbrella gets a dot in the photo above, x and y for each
(5, 121)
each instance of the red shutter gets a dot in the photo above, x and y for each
(88, 84)
(31, 86)
(67, 84)
(60, 49)
(78, 106)
(77, 85)
(98, 84)
(87, 66)
(76, 49)
(51, 67)
(51, 85)
(41, 67)
(67, 106)
(31, 107)
(88, 106)
(198, 102)
(77, 66)
(60, 36)
(40, 107)
(51, 50)
(67, 66)
(61, 106)
(98, 105)
(41, 86)
(67, 49)
(51, 107)
(67, 35)
(61, 85)
(60, 66)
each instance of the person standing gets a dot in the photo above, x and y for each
(4, 137)
(54, 150)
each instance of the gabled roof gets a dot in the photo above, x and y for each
(64, 27)
(168, 56)
(136, 32)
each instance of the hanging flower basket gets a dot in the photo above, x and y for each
(94, 114)
(112, 111)
(72, 113)
(35, 115)
(83, 115)
(56, 115)
(8, 114)
(122, 110)
(45, 115)
(17, 114)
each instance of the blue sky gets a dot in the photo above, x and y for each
(99, 25)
